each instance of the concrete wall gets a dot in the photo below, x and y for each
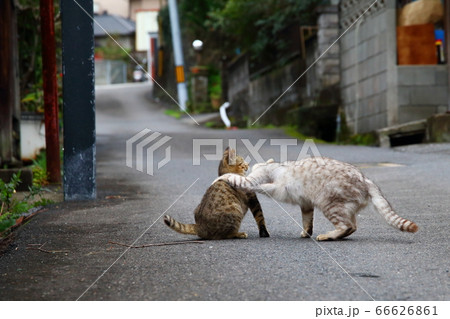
(138, 5)
(422, 91)
(327, 67)
(376, 92)
(251, 97)
(238, 88)
(322, 56)
(366, 65)
(284, 88)
(276, 90)
(120, 8)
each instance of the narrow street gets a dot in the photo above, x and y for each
(377, 262)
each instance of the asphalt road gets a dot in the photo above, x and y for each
(377, 262)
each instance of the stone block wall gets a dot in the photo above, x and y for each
(250, 96)
(376, 92)
(276, 90)
(288, 87)
(238, 79)
(322, 59)
(365, 64)
(422, 91)
(327, 67)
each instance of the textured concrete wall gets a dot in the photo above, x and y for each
(322, 56)
(422, 91)
(376, 92)
(238, 76)
(287, 87)
(276, 90)
(364, 65)
(238, 88)
(250, 98)
(327, 68)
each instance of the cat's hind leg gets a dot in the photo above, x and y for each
(342, 216)
(307, 218)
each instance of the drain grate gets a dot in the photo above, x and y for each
(400, 139)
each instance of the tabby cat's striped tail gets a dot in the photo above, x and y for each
(188, 229)
(385, 209)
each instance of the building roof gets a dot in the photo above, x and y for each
(112, 24)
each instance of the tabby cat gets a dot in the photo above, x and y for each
(220, 213)
(338, 189)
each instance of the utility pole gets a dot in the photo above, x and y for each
(178, 54)
(50, 91)
(79, 99)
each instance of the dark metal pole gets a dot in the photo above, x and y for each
(79, 99)
(50, 91)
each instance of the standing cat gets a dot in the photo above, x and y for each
(220, 213)
(338, 189)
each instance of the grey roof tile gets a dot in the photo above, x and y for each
(112, 24)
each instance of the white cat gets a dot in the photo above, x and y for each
(338, 189)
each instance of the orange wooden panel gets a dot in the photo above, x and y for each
(416, 45)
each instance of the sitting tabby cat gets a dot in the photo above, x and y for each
(220, 213)
(338, 189)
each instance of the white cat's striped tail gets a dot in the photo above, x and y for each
(385, 209)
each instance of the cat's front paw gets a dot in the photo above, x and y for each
(304, 234)
(241, 235)
(263, 232)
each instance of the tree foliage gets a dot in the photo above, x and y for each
(30, 52)
(255, 26)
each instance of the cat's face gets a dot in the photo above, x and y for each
(232, 163)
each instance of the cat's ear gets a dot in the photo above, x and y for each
(226, 153)
(232, 157)
(270, 161)
(229, 156)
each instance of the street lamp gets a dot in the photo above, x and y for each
(198, 46)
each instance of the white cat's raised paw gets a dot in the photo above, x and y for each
(221, 178)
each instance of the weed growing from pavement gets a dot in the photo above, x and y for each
(11, 209)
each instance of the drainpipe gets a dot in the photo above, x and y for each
(357, 75)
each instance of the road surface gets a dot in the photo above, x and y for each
(377, 262)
